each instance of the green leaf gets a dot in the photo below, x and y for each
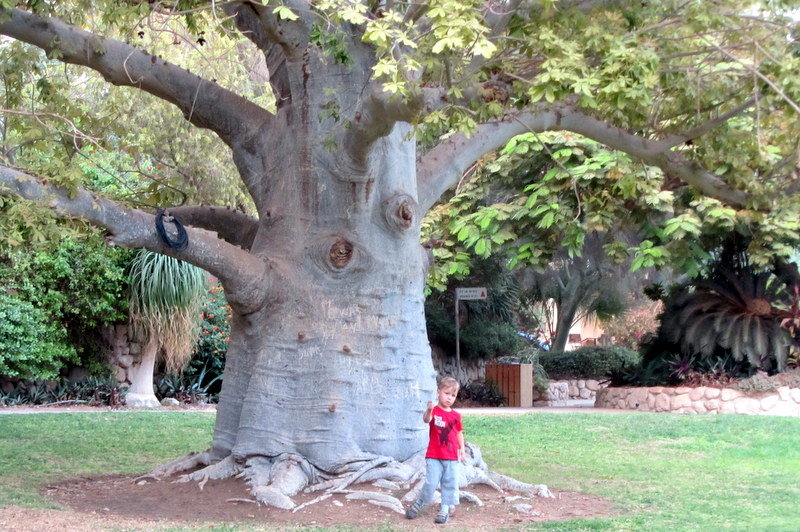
(285, 13)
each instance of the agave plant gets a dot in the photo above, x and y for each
(735, 310)
(165, 301)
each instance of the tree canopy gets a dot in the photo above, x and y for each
(702, 93)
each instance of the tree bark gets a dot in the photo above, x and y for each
(337, 367)
(140, 394)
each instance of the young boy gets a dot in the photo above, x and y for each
(445, 450)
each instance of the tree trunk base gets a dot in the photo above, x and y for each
(275, 480)
(141, 400)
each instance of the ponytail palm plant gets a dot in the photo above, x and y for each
(165, 301)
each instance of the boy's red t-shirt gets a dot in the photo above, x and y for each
(444, 429)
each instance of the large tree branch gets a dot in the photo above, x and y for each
(443, 166)
(678, 139)
(263, 25)
(280, 40)
(203, 102)
(245, 276)
(377, 114)
(232, 226)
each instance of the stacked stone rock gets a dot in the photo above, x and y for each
(584, 388)
(471, 370)
(784, 401)
(120, 350)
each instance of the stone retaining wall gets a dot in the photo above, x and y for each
(584, 388)
(557, 394)
(471, 370)
(702, 400)
(122, 350)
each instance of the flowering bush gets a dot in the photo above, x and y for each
(635, 325)
(208, 360)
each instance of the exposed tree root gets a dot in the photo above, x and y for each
(238, 499)
(313, 501)
(275, 480)
(179, 465)
(470, 497)
(508, 483)
(379, 498)
(225, 468)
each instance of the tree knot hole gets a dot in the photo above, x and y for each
(340, 253)
(400, 211)
(405, 213)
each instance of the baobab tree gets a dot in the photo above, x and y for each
(380, 108)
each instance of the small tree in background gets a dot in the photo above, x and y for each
(165, 300)
(635, 324)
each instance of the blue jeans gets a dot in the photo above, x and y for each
(444, 473)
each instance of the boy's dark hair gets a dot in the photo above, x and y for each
(447, 382)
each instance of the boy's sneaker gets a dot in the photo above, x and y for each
(441, 518)
(413, 511)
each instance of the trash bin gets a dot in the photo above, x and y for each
(515, 382)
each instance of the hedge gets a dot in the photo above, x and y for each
(591, 362)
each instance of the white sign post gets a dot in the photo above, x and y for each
(466, 294)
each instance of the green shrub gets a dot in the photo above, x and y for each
(75, 287)
(481, 337)
(588, 362)
(487, 339)
(31, 346)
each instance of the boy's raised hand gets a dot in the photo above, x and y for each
(426, 417)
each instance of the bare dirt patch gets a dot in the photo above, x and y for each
(117, 501)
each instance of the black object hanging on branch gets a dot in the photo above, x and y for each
(181, 240)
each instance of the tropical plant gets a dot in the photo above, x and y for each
(790, 320)
(94, 391)
(730, 310)
(480, 393)
(165, 300)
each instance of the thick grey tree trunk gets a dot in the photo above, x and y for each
(336, 367)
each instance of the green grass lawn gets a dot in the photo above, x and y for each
(664, 471)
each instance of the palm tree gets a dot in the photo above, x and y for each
(165, 301)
